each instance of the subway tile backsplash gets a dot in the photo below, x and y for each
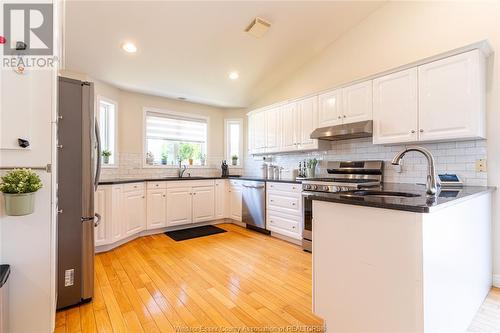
(452, 157)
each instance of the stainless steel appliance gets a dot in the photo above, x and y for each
(361, 129)
(254, 205)
(78, 175)
(342, 176)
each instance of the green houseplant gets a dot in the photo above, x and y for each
(19, 187)
(186, 151)
(164, 158)
(234, 159)
(311, 168)
(105, 156)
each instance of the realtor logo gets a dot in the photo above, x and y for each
(28, 29)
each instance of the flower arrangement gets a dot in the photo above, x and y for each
(234, 159)
(105, 156)
(19, 187)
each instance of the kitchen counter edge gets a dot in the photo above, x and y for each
(166, 179)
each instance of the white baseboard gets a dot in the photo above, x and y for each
(496, 280)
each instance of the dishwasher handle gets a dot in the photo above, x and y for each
(250, 186)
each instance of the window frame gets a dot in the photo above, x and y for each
(227, 122)
(165, 112)
(116, 160)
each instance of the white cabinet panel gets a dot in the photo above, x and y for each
(251, 133)
(357, 102)
(102, 231)
(284, 225)
(220, 198)
(156, 208)
(284, 203)
(395, 108)
(259, 132)
(203, 204)
(117, 231)
(307, 122)
(272, 119)
(451, 97)
(288, 127)
(134, 214)
(179, 206)
(235, 200)
(330, 105)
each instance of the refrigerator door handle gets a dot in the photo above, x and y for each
(98, 168)
(97, 220)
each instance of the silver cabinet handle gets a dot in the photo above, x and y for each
(339, 117)
(98, 219)
(344, 116)
(293, 203)
(421, 130)
(412, 131)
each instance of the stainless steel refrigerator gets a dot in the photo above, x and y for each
(78, 149)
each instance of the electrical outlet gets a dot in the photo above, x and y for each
(69, 277)
(481, 165)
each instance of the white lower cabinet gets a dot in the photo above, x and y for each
(203, 203)
(107, 205)
(134, 212)
(156, 210)
(103, 230)
(179, 206)
(235, 199)
(190, 202)
(284, 209)
(221, 198)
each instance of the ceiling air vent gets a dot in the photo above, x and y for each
(258, 27)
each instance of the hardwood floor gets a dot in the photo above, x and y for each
(229, 280)
(487, 319)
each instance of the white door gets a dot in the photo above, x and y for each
(451, 97)
(330, 105)
(235, 202)
(272, 129)
(117, 229)
(203, 203)
(357, 102)
(307, 115)
(288, 125)
(395, 108)
(134, 213)
(156, 208)
(101, 232)
(259, 132)
(220, 199)
(179, 206)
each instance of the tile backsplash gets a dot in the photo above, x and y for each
(452, 157)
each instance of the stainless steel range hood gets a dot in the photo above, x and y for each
(361, 129)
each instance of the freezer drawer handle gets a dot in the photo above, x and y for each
(98, 220)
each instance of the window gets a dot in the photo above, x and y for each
(170, 137)
(234, 141)
(107, 128)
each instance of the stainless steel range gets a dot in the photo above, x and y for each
(341, 176)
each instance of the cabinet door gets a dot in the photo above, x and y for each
(451, 97)
(357, 102)
(179, 206)
(203, 203)
(220, 199)
(102, 231)
(395, 108)
(134, 212)
(272, 129)
(330, 105)
(307, 115)
(259, 132)
(288, 126)
(117, 229)
(235, 202)
(251, 134)
(156, 208)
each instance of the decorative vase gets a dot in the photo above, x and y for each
(235, 161)
(18, 204)
(105, 159)
(310, 172)
(190, 161)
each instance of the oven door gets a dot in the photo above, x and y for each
(307, 215)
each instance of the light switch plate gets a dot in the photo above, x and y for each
(481, 165)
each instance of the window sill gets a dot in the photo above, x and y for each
(109, 166)
(147, 166)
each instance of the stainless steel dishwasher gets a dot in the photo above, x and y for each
(254, 205)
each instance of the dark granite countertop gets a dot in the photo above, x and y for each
(4, 274)
(419, 204)
(138, 180)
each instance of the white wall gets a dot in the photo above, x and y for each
(401, 32)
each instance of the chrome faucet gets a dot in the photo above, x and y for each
(182, 169)
(432, 185)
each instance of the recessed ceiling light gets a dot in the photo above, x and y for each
(234, 75)
(129, 47)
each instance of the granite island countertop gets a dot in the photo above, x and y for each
(418, 204)
(139, 180)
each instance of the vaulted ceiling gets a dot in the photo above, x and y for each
(186, 48)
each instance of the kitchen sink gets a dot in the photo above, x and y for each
(380, 194)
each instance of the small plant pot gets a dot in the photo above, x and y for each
(235, 162)
(164, 162)
(310, 172)
(19, 204)
(190, 161)
(105, 159)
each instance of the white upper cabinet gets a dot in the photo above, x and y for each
(259, 132)
(156, 208)
(330, 105)
(357, 102)
(452, 97)
(272, 121)
(395, 109)
(307, 122)
(288, 127)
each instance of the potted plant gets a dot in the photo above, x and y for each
(186, 152)
(105, 156)
(311, 168)
(234, 159)
(19, 187)
(164, 157)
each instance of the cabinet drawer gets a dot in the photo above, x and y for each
(235, 182)
(133, 187)
(287, 226)
(156, 185)
(285, 187)
(190, 183)
(284, 204)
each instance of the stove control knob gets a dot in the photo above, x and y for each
(314, 187)
(305, 186)
(335, 189)
(324, 188)
(345, 188)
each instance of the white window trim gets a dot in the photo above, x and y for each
(226, 145)
(147, 109)
(117, 154)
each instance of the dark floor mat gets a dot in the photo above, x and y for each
(207, 230)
